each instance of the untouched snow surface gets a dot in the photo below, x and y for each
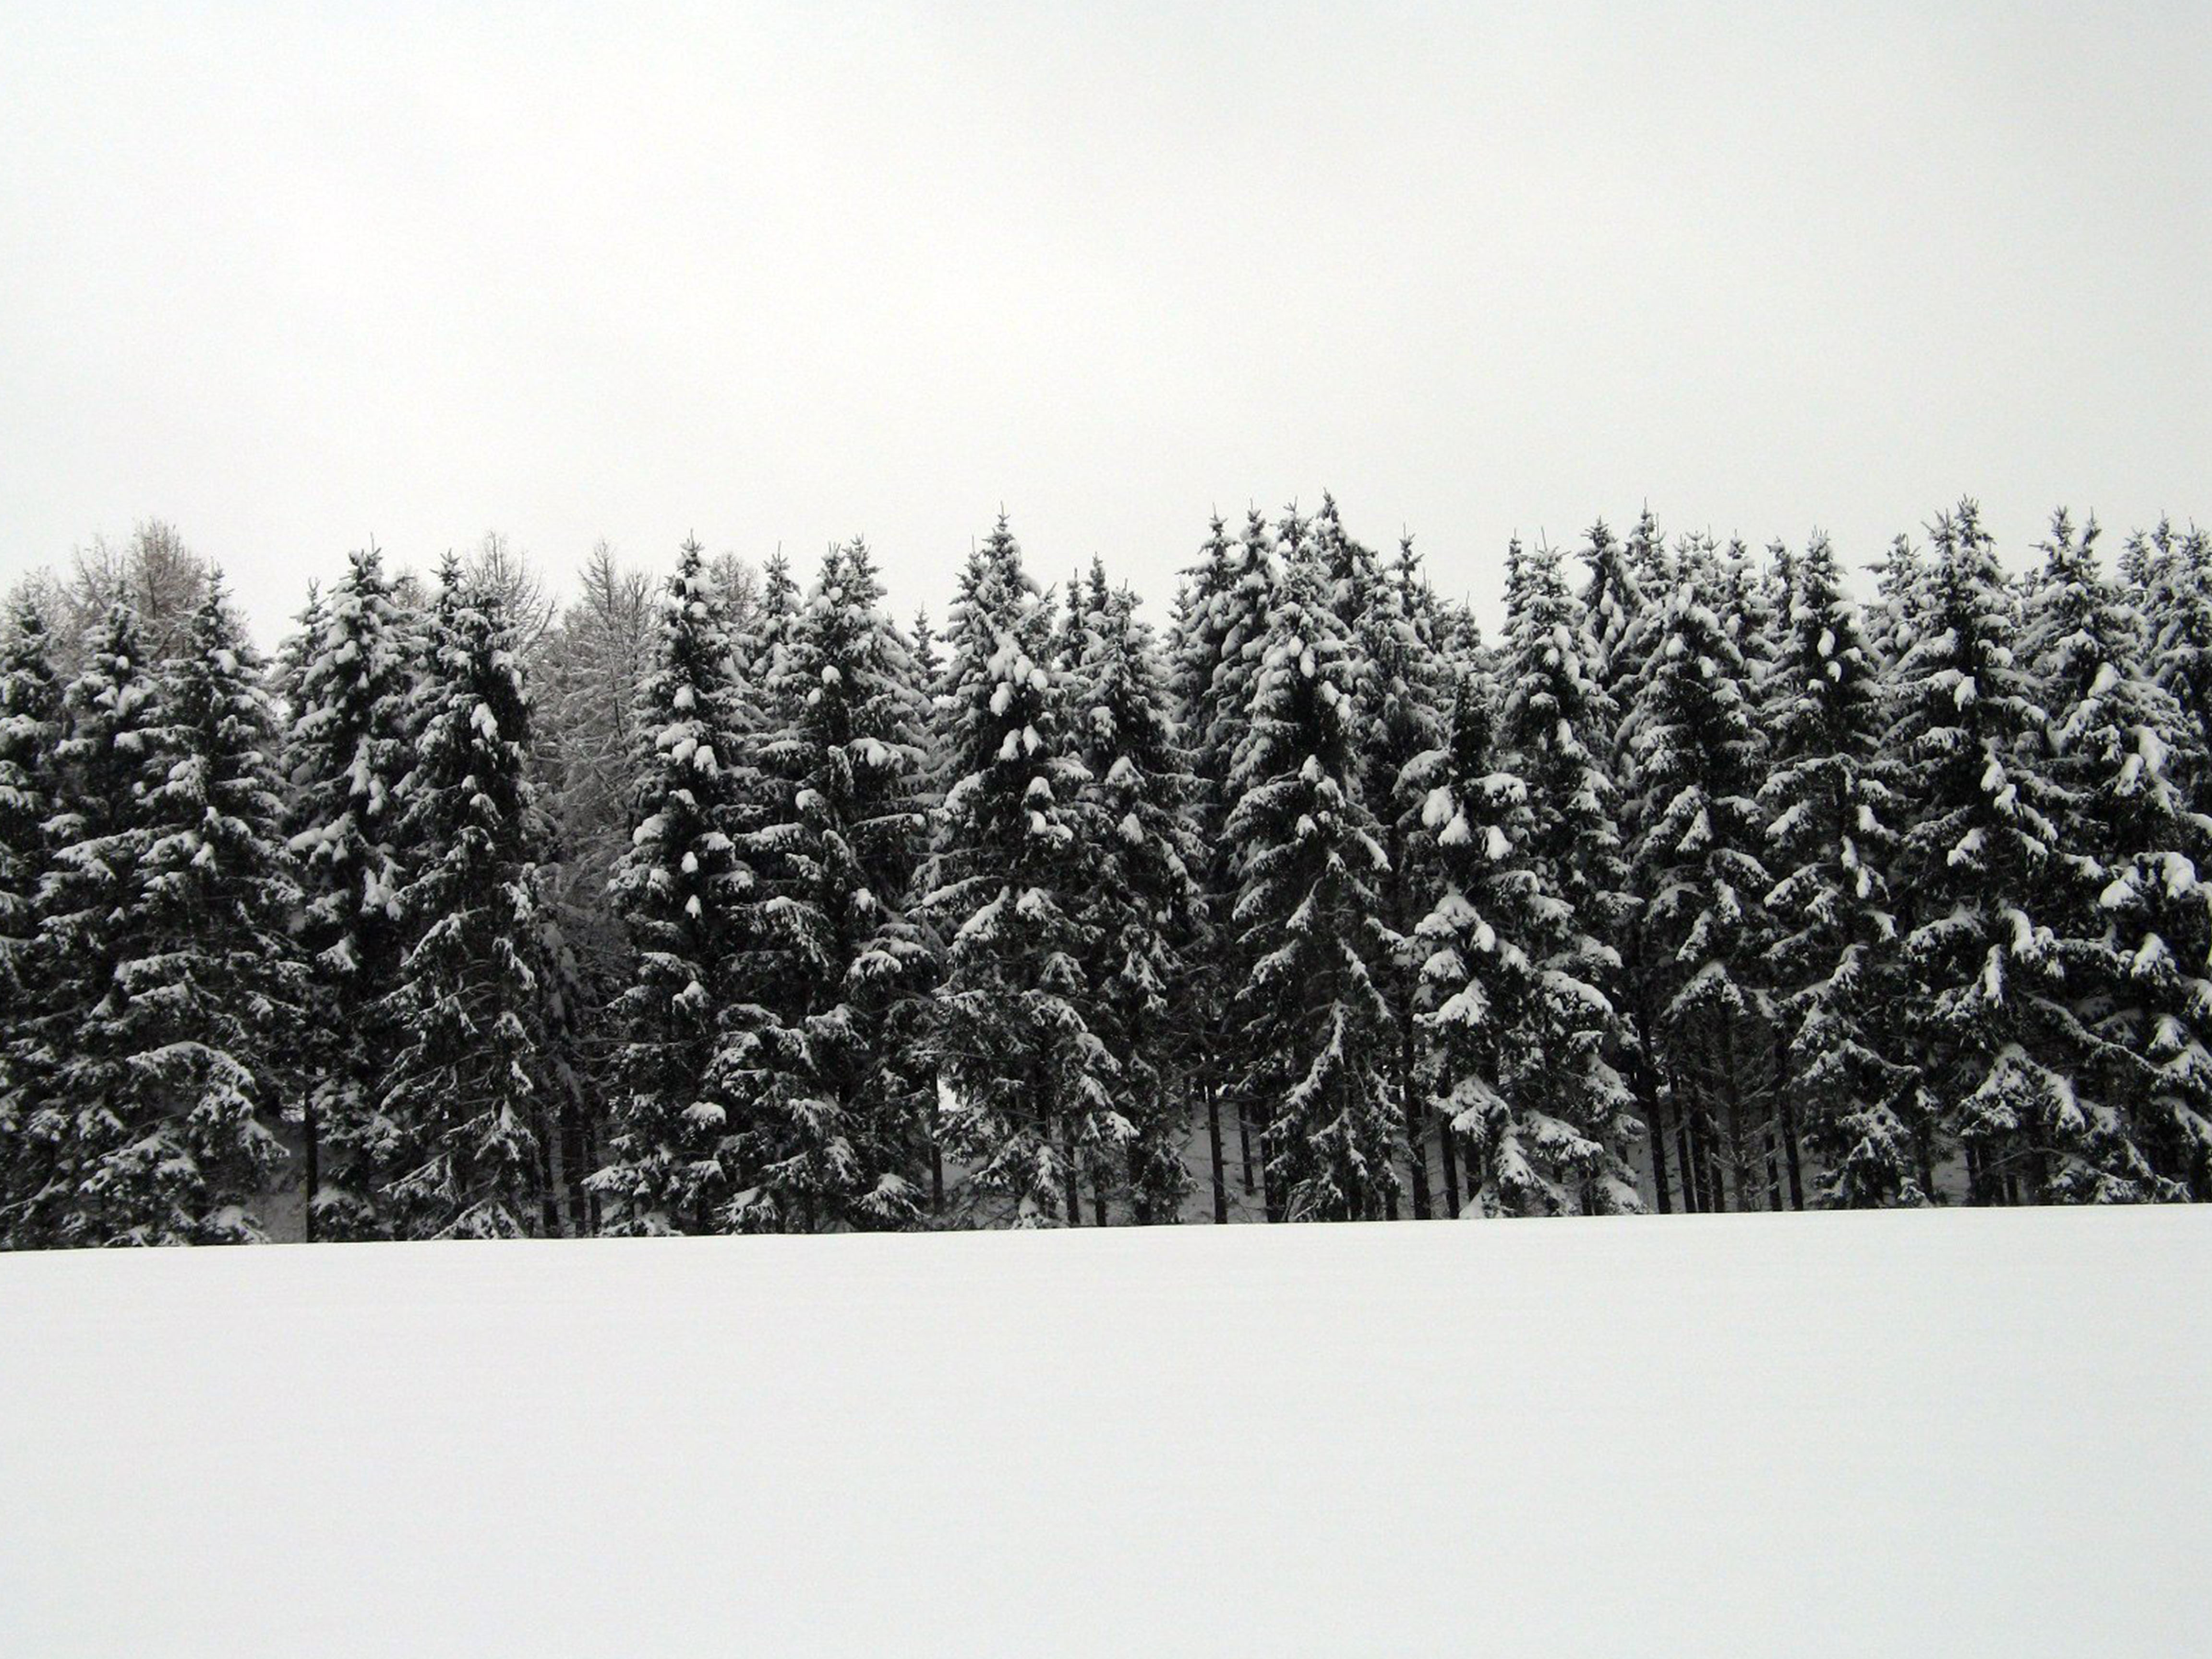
(1958, 1433)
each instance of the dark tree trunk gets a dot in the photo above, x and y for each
(577, 1159)
(1411, 1096)
(548, 1183)
(1213, 1138)
(1098, 1199)
(1244, 1143)
(311, 1157)
(1070, 1176)
(1786, 1115)
(1447, 1147)
(1656, 1127)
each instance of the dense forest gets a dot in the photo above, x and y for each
(726, 900)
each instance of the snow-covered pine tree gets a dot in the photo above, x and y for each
(1521, 1028)
(1555, 723)
(1979, 857)
(2176, 581)
(213, 996)
(75, 1110)
(1831, 801)
(682, 888)
(1220, 633)
(31, 730)
(348, 748)
(1694, 741)
(1313, 1029)
(2136, 941)
(1142, 899)
(31, 719)
(460, 1133)
(1403, 695)
(834, 1100)
(1033, 1085)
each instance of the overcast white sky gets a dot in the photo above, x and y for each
(292, 277)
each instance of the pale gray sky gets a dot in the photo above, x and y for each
(292, 277)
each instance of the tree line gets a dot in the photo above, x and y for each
(717, 902)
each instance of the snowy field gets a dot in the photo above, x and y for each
(1957, 1433)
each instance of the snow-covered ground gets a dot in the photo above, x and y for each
(1956, 1433)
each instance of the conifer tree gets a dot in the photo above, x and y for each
(1980, 853)
(1140, 908)
(77, 1115)
(31, 731)
(1390, 617)
(2133, 943)
(1555, 723)
(1033, 1085)
(682, 888)
(832, 1097)
(1694, 742)
(1831, 803)
(349, 747)
(1312, 1023)
(213, 997)
(461, 1125)
(1215, 654)
(1520, 1029)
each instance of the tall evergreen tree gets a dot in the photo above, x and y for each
(834, 1098)
(74, 1178)
(1033, 1085)
(2135, 940)
(214, 997)
(1521, 1027)
(461, 1130)
(348, 749)
(1980, 852)
(32, 727)
(683, 889)
(1831, 802)
(1555, 724)
(1140, 910)
(1694, 742)
(1313, 1026)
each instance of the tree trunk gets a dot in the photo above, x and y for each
(1244, 1143)
(1657, 1130)
(1213, 1138)
(1448, 1149)
(1788, 1127)
(1098, 1199)
(1410, 1095)
(312, 1155)
(1070, 1177)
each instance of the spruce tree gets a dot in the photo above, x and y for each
(1033, 1085)
(2135, 1122)
(1555, 724)
(682, 888)
(1142, 904)
(1220, 633)
(1831, 803)
(348, 749)
(213, 997)
(31, 731)
(1693, 742)
(461, 1124)
(1522, 1028)
(833, 1098)
(1313, 1027)
(73, 1179)
(1980, 856)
